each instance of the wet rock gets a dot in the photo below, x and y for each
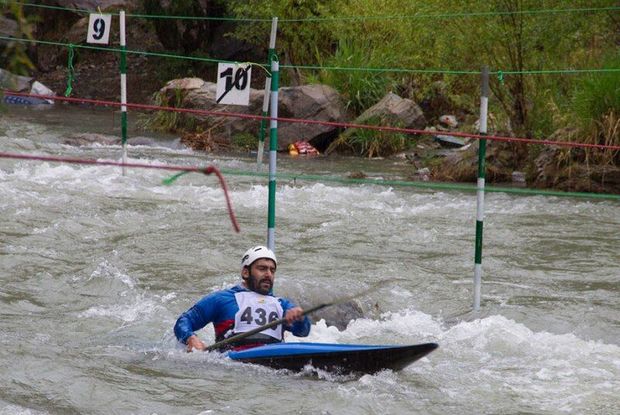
(339, 315)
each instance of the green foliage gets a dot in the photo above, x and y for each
(371, 143)
(15, 57)
(297, 42)
(597, 94)
(360, 89)
(169, 121)
(437, 40)
(245, 141)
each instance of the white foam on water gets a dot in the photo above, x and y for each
(137, 309)
(107, 270)
(19, 410)
(490, 358)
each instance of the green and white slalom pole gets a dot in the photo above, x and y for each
(273, 151)
(123, 89)
(266, 96)
(482, 149)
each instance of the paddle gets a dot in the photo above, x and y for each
(275, 323)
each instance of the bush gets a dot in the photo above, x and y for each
(371, 143)
(360, 89)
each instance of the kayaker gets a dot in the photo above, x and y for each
(244, 307)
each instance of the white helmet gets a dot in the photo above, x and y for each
(255, 253)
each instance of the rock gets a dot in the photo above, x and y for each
(395, 111)
(183, 84)
(338, 315)
(312, 102)
(569, 170)
(309, 102)
(449, 140)
(196, 93)
(14, 82)
(39, 89)
(449, 121)
(391, 110)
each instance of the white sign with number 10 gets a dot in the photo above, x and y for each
(233, 84)
(99, 28)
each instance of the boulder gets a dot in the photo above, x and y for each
(14, 82)
(311, 102)
(392, 111)
(338, 315)
(396, 111)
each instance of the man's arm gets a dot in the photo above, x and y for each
(296, 323)
(195, 319)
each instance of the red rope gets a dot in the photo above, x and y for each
(316, 122)
(207, 171)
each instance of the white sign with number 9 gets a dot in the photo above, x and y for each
(99, 28)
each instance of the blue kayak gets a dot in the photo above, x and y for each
(339, 358)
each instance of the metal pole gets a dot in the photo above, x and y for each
(123, 89)
(273, 151)
(482, 148)
(263, 122)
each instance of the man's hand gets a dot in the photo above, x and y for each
(293, 315)
(193, 342)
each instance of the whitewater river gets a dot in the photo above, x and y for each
(96, 267)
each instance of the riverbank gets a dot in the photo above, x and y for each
(96, 76)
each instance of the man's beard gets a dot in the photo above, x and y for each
(255, 285)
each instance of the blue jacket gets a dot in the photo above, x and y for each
(220, 308)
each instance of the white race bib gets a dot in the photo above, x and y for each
(256, 310)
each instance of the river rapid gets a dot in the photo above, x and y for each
(95, 267)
